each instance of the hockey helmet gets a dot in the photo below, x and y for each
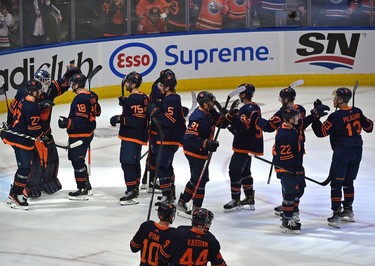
(43, 77)
(290, 113)
(344, 93)
(205, 97)
(168, 79)
(248, 92)
(200, 218)
(33, 85)
(134, 78)
(166, 212)
(78, 79)
(288, 94)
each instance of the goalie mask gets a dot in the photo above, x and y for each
(44, 78)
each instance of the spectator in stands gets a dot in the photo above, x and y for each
(236, 16)
(6, 23)
(143, 7)
(211, 14)
(336, 13)
(364, 14)
(152, 23)
(177, 16)
(271, 13)
(35, 14)
(115, 18)
(298, 17)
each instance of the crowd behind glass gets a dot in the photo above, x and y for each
(26, 23)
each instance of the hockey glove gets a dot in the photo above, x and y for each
(210, 145)
(231, 130)
(320, 111)
(70, 71)
(122, 100)
(317, 102)
(152, 110)
(115, 120)
(64, 122)
(46, 104)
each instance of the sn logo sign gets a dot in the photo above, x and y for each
(330, 50)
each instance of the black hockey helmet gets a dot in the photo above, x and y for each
(166, 212)
(289, 112)
(344, 93)
(78, 79)
(200, 218)
(33, 85)
(288, 93)
(134, 78)
(249, 91)
(205, 97)
(168, 79)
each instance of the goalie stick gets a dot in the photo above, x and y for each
(207, 162)
(292, 85)
(62, 146)
(158, 158)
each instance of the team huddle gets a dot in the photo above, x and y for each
(159, 121)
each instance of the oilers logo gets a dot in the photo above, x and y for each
(214, 7)
(328, 50)
(133, 57)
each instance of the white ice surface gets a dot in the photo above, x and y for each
(57, 231)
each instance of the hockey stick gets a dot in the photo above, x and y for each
(158, 158)
(354, 90)
(193, 104)
(292, 85)
(324, 183)
(122, 87)
(89, 78)
(62, 146)
(208, 160)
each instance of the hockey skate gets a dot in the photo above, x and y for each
(164, 199)
(335, 220)
(157, 187)
(80, 194)
(279, 210)
(18, 202)
(89, 188)
(183, 209)
(130, 198)
(296, 217)
(290, 226)
(233, 206)
(248, 203)
(347, 215)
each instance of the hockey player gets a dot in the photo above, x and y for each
(151, 235)
(198, 142)
(25, 120)
(193, 245)
(344, 128)
(287, 153)
(44, 169)
(133, 134)
(80, 125)
(287, 97)
(248, 138)
(171, 118)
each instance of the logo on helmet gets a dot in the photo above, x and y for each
(133, 56)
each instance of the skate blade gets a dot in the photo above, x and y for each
(18, 207)
(86, 197)
(288, 231)
(348, 219)
(235, 209)
(129, 202)
(248, 207)
(335, 225)
(184, 214)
